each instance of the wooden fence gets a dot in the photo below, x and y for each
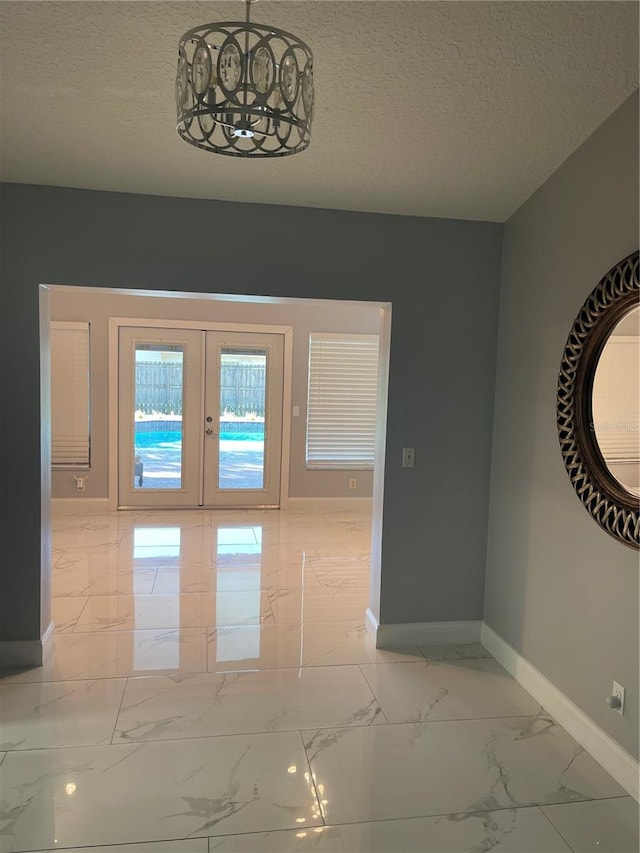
(159, 388)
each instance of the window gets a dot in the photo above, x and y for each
(70, 440)
(341, 409)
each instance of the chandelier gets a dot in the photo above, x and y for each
(244, 89)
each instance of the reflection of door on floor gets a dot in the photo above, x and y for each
(200, 418)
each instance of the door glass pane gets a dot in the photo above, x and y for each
(242, 418)
(157, 416)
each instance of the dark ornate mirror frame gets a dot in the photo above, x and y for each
(613, 508)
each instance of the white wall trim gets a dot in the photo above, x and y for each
(47, 639)
(199, 325)
(606, 751)
(405, 634)
(324, 504)
(112, 376)
(377, 501)
(371, 624)
(63, 506)
(287, 383)
(19, 654)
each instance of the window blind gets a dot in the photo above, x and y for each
(615, 400)
(70, 437)
(341, 406)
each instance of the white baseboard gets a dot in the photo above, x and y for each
(405, 634)
(324, 504)
(66, 506)
(371, 624)
(606, 751)
(24, 654)
(61, 506)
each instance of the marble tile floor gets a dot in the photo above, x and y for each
(211, 687)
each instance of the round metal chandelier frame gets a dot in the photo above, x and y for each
(244, 89)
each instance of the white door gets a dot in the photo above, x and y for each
(200, 418)
(243, 419)
(159, 417)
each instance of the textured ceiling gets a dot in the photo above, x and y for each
(448, 109)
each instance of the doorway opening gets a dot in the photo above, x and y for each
(294, 319)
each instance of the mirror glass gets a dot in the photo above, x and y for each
(616, 402)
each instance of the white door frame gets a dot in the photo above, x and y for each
(114, 328)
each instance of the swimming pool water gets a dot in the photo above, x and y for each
(152, 439)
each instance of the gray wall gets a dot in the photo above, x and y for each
(441, 277)
(317, 316)
(560, 590)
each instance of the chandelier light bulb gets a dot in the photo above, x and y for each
(244, 89)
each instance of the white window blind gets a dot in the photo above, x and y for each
(70, 437)
(616, 417)
(341, 408)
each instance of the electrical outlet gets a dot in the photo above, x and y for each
(616, 700)
(353, 483)
(408, 457)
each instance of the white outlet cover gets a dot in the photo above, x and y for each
(619, 691)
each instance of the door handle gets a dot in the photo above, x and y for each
(209, 431)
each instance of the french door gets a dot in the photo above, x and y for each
(199, 418)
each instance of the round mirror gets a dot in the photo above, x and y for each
(615, 402)
(598, 403)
